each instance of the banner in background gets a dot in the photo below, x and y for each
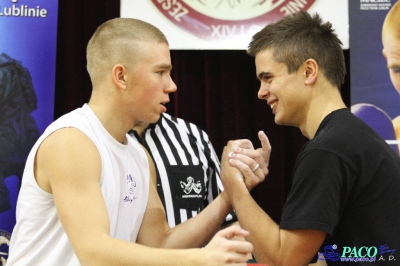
(227, 24)
(28, 30)
(373, 96)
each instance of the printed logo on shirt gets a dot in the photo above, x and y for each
(4, 245)
(358, 254)
(191, 186)
(130, 187)
(186, 191)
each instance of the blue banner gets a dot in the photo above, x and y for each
(373, 96)
(28, 34)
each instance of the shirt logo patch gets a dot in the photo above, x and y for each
(191, 185)
(130, 187)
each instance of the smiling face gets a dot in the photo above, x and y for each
(285, 93)
(149, 82)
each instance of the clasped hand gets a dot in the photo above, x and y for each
(242, 166)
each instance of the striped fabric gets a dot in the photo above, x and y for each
(184, 153)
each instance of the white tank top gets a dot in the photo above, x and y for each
(39, 238)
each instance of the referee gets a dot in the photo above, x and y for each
(188, 169)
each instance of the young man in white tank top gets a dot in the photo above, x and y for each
(88, 194)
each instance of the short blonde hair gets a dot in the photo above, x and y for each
(391, 25)
(118, 41)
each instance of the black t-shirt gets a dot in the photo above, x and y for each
(346, 183)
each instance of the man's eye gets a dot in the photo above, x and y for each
(266, 78)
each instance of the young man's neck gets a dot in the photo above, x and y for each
(140, 127)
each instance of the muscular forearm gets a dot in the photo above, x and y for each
(112, 251)
(264, 232)
(202, 227)
(272, 245)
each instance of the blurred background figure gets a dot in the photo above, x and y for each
(18, 129)
(391, 51)
(375, 117)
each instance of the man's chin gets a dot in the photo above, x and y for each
(148, 120)
(281, 122)
(154, 119)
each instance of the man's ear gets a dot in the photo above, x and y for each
(310, 71)
(118, 76)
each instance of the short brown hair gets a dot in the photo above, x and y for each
(299, 37)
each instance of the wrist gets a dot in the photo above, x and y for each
(225, 200)
(238, 197)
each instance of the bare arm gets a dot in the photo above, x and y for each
(271, 244)
(195, 232)
(71, 173)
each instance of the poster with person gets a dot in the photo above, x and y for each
(374, 97)
(27, 78)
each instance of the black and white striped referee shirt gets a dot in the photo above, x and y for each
(188, 169)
